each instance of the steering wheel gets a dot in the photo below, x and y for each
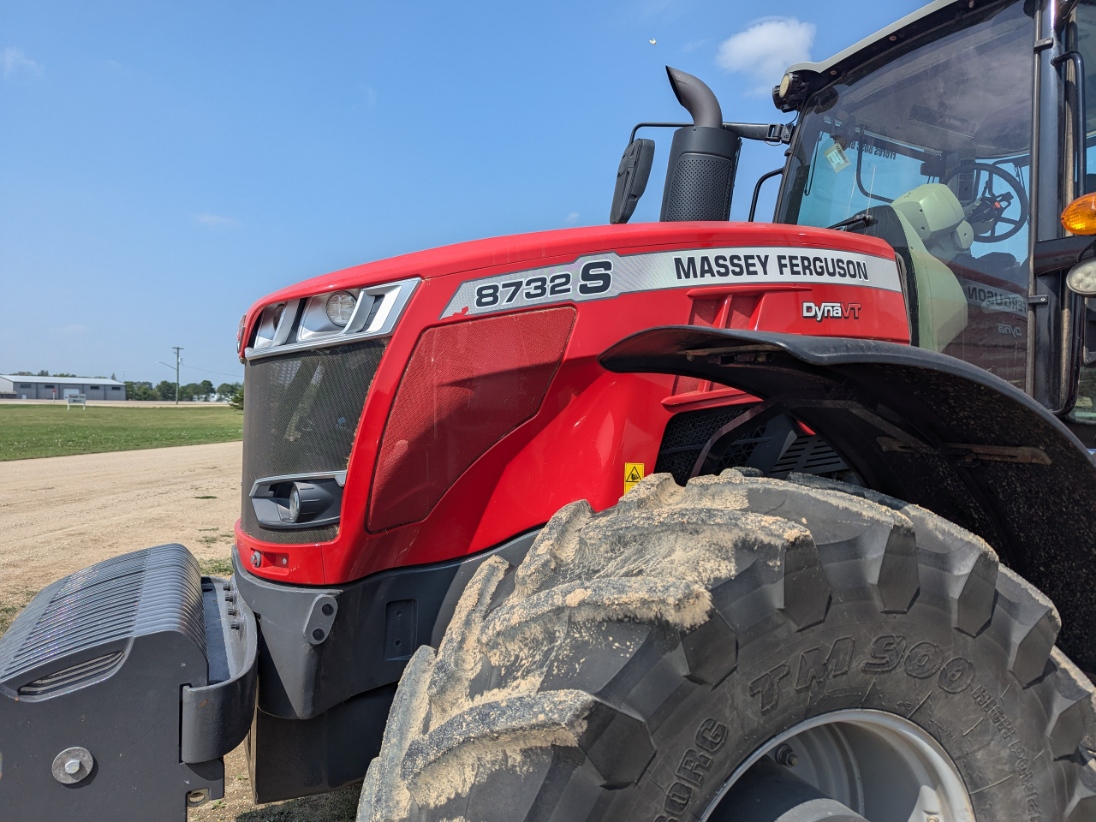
(991, 211)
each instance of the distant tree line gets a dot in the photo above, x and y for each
(191, 392)
(45, 373)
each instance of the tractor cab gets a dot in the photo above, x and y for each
(958, 141)
(933, 149)
(958, 135)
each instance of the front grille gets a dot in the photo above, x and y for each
(301, 412)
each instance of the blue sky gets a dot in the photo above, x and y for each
(164, 165)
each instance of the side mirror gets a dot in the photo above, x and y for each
(631, 181)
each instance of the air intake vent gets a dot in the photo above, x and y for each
(809, 455)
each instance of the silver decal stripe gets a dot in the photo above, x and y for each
(601, 276)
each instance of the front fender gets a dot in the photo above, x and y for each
(926, 428)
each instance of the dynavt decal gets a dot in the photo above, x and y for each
(607, 275)
(834, 311)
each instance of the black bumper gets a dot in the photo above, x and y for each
(121, 687)
(329, 661)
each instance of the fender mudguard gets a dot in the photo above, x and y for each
(926, 428)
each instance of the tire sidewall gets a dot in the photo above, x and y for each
(915, 665)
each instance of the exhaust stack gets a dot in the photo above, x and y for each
(703, 157)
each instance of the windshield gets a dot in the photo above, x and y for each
(934, 146)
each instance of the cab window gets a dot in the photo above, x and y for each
(935, 147)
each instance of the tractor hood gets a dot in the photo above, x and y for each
(547, 248)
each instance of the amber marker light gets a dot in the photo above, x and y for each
(1079, 217)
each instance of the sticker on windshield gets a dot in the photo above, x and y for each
(835, 156)
(601, 276)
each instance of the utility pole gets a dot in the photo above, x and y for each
(177, 349)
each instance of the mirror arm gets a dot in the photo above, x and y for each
(757, 190)
(773, 133)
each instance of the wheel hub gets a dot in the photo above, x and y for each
(868, 764)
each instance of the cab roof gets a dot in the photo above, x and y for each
(820, 74)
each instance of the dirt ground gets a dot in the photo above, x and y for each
(60, 514)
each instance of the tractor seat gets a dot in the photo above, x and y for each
(926, 227)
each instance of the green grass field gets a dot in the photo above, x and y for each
(28, 431)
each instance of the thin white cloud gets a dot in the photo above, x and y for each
(17, 67)
(693, 45)
(572, 218)
(655, 8)
(764, 50)
(215, 221)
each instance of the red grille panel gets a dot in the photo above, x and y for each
(467, 385)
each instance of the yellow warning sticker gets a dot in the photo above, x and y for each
(633, 473)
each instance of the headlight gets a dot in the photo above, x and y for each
(294, 503)
(340, 307)
(269, 329)
(309, 502)
(790, 91)
(1081, 279)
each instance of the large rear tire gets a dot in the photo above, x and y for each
(640, 661)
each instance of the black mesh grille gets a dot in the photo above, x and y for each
(738, 450)
(300, 415)
(686, 435)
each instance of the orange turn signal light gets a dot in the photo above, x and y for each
(1079, 217)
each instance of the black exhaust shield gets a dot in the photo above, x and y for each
(703, 157)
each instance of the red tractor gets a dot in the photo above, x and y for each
(694, 520)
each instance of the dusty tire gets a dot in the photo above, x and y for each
(638, 656)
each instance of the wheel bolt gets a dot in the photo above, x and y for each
(786, 756)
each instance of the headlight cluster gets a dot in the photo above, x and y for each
(329, 318)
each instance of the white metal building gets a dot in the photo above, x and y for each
(57, 388)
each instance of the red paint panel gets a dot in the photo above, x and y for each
(577, 428)
(467, 386)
